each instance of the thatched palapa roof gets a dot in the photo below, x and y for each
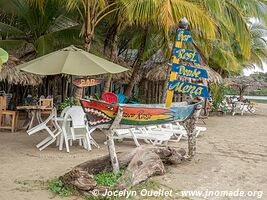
(123, 77)
(245, 82)
(13, 75)
(156, 68)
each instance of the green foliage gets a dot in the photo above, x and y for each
(68, 102)
(108, 178)
(96, 96)
(46, 27)
(217, 93)
(262, 92)
(56, 186)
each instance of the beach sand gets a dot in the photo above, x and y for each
(231, 155)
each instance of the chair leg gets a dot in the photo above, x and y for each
(84, 143)
(43, 142)
(94, 142)
(89, 148)
(67, 145)
(47, 144)
(61, 142)
(13, 123)
(135, 140)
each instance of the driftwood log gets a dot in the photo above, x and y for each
(141, 163)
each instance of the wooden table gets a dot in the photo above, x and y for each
(34, 115)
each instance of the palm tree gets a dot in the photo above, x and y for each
(258, 46)
(46, 28)
(91, 12)
(164, 14)
(233, 45)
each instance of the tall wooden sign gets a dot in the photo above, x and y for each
(185, 70)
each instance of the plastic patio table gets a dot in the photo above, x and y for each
(34, 115)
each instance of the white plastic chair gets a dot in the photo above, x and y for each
(53, 133)
(79, 129)
(199, 129)
(154, 137)
(176, 133)
(120, 134)
(58, 122)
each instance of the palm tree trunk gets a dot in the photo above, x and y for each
(137, 64)
(113, 56)
(107, 83)
(87, 42)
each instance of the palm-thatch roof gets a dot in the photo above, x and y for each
(245, 82)
(13, 75)
(156, 68)
(123, 77)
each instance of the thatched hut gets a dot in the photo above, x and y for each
(15, 82)
(14, 76)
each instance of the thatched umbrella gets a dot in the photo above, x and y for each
(243, 83)
(13, 75)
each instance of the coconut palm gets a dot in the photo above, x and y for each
(234, 43)
(91, 12)
(164, 14)
(46, 27)
(258, 46)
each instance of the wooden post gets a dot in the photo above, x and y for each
(110, 141)
(172, 78)
(183, 24)
(190, 126)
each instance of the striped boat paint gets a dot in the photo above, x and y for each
(99, 112)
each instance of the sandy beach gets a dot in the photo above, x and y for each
(231, 155)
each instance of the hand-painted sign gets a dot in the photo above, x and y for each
(189, 88)
(183, 36)
(189, 71)
(187, 55)
(85, 82)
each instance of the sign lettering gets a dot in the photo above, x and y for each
(187, 55)
(183, 36)
(189, 88)
(189, 71)
(85, 82)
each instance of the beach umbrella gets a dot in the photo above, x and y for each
(72, 61)
(3, 56)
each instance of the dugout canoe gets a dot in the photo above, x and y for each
(100, 112)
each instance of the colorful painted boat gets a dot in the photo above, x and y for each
(99, 113)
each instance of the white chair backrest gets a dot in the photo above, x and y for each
(77, 116)
(63, 112)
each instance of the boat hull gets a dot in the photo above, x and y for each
(99, 113)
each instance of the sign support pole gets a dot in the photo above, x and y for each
(172, 77)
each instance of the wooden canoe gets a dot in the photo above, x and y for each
(100, 112)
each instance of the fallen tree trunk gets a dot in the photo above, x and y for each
(142, 163)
